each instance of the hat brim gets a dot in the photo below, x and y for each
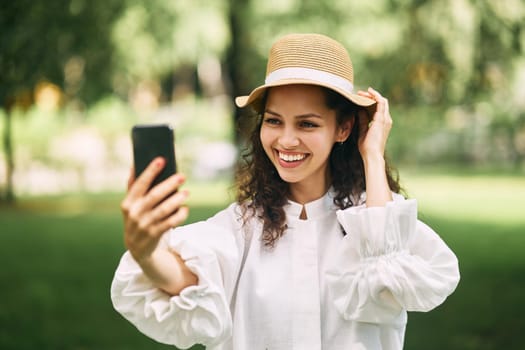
(243, 101)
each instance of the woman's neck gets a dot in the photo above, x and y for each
(308, 191)
(302, 194)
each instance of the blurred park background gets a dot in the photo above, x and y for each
(76, 75)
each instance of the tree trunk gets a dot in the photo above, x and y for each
(237, 52)
(9, 195)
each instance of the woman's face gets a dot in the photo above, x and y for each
(298, 132)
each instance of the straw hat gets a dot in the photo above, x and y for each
(308, 59)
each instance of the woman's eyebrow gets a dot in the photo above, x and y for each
(301, 116)
(269, 111)
(308, 115)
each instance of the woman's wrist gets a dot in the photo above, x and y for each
(167, 270)
(374, 159)
(378, 191)
(144, 260)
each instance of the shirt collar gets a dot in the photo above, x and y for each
(314, 209)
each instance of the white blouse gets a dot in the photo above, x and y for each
(317, 289)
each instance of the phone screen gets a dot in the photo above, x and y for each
(149, 142)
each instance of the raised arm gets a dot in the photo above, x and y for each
(389, 262)
(373, 135)
(148, 214)
(176, 287)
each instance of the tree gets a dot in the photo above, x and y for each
(38, 40)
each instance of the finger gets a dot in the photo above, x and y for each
(139, 209)
(364, 94)
(383, 108)
(143, 182)
(131, 178)
(172, 221)
(168, 206)
(164, 189)
(371, 110)
(381, 102)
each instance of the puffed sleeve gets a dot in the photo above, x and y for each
(388, 262)
(200, 314)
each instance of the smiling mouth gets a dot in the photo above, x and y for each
(290, 158)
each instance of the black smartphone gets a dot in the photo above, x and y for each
(151, 141)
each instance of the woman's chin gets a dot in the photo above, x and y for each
(287, 177)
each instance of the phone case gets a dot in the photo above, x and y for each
(149, 142)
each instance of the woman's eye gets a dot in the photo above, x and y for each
(272, 121)
(306, 124)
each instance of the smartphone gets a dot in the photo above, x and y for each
(151, 141)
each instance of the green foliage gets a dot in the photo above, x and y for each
(70, 150)
(452, 70)
(39, 38)
(416, 52)
(153, 39)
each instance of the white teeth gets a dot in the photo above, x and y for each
(291, 157)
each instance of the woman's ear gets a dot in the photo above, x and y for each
(345, 129)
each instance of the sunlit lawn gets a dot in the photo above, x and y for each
(58, 256)
(483, 219)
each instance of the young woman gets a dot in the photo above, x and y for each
(318, 252)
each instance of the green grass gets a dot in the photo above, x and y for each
(485, 312)
(482, 218)
(492, 199)
(58, 255)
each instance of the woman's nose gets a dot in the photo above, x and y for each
(289, 138)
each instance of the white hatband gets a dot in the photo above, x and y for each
(310, 74)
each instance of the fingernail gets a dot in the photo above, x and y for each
(160, 162)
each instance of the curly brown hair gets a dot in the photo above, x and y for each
(262, 192)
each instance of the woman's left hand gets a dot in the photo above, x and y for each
(374, 129)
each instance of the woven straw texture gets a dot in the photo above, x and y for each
(313, 51)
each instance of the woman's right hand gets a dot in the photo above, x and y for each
(148, 214)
